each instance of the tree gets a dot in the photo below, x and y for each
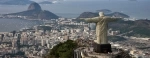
(123, 54)
(63, 50)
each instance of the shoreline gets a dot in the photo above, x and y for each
(8, 25)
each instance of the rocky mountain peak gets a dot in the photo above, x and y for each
(34, 6)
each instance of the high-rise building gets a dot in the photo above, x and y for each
(43, 42)
(2, 37)
(49, 46)
(14, 43)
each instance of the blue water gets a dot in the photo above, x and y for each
(8, 25)
(136, 9)
(72, 8)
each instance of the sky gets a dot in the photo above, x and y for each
(40, 0)
(64, 0)
(82, 0)
(76, 7)
(46, 0)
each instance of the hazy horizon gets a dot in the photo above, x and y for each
(136, 9)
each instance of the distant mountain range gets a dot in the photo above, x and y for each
(20, 2)
(34, 11)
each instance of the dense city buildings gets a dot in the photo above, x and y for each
(37, 41)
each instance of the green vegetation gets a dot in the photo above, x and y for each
(62, 50)
(122, 54)
(139, 28)
(44, 28)
(137, 32)
(141, 32)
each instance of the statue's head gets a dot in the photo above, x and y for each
(101, 14)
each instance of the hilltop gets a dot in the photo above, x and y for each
(62, 50)
(138, 28)
(88, 15)
(34, 11)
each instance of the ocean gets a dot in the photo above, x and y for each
(73, 8)
(8, 25)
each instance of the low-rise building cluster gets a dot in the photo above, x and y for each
(36, 42)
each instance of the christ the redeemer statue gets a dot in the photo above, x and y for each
(101, 27)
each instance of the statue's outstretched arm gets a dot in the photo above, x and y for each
(92, 20)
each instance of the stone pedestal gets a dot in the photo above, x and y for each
(102, 48)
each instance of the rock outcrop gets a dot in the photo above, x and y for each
(88, 15)
(34, 12)
(47, 15)
(34, 6)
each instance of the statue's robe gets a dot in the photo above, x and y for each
(101, 27)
